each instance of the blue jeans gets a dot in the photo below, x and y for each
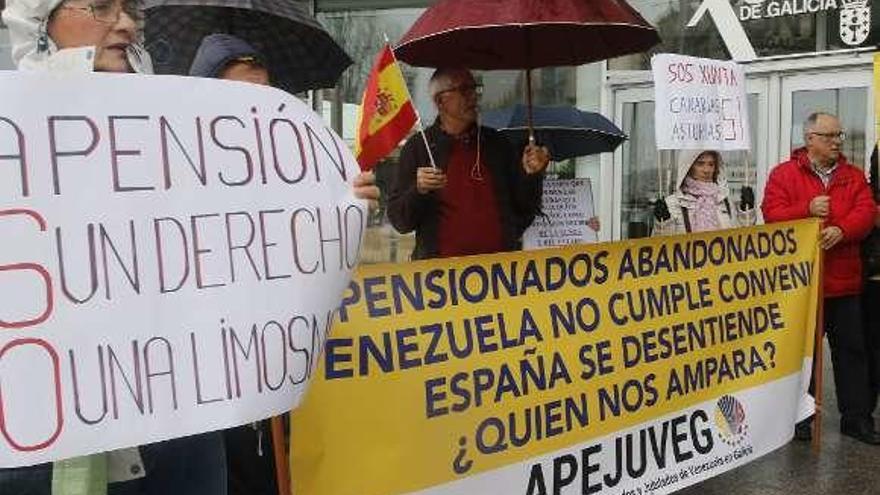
(30, 480)
(193, 465)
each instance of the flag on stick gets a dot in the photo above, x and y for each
(386, 113)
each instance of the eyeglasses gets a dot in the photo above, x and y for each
(831, 136)
(464, 90)
(109, 11)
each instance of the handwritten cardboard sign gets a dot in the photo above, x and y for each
(699, 104)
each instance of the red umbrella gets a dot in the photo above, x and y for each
(524, 34)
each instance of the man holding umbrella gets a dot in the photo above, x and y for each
(453, 212)
(467, 192)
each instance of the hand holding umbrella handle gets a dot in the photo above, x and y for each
(535, 158)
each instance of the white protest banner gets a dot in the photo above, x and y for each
(173, 250)
(699, 104)
(567, 204)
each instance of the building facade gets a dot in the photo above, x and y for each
(800, 56)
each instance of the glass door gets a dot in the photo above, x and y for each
(637, 170)
(846, 94)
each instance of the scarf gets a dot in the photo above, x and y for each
(705, 213)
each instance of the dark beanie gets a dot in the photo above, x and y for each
(217, 51)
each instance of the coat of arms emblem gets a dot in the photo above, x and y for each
(855, 21)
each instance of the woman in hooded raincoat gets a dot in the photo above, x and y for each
(701, 201)
(75, 37)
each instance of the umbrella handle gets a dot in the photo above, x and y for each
(529, 106)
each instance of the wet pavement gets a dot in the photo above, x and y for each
(843, 466)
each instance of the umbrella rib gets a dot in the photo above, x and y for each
(522, 25)
(557, 128)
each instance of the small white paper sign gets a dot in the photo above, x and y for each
(699, 104)
(567, 204)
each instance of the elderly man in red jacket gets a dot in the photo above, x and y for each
(818, 182)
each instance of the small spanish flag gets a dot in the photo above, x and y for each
(386, 113)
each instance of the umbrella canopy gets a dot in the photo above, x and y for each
(566, 131)
(524, 34)
(298, 52)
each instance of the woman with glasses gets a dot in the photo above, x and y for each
(76, 35)
(81, 36)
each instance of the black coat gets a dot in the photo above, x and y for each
(518, 194)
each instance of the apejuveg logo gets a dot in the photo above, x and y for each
(730, 420)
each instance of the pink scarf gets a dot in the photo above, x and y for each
(704, 216)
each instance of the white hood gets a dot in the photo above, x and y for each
(686, 159)
(32, 49)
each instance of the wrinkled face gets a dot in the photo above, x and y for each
(459, 100)
(108, 25)
(823, 141)
(704, 168)
(246, 72)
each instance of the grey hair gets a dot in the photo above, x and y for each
(442, 78)
(810, 122)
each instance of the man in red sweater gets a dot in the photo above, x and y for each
(818, 182)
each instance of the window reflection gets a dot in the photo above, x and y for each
(5, 47)
(642, 173)
(848, 104)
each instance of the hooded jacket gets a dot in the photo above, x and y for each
(33, 49)
(216, 51)
(790, 188)
(681, 204)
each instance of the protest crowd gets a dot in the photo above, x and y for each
(466, 189)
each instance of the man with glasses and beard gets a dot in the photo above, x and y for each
(819, 182)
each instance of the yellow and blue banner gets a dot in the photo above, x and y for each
(639, 366)
(877, 96)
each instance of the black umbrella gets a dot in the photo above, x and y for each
(299, 54)
(566, 131)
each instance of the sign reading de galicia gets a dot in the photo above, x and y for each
(855, 15)
(854, 19)
(764, 9)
